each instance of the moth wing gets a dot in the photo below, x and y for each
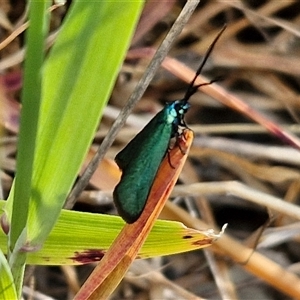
(140, 161)
(138, 143)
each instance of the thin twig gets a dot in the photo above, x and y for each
(134, 98)
(242, 191)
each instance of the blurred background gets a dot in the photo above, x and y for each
(241, 135)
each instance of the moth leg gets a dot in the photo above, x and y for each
(177, 144)
(169, 158)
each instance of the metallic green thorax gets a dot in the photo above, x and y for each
(141, 158)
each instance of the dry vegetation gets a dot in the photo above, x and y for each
(243, 167)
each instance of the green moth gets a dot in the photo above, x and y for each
(141, 158)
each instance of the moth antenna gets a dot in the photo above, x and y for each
(193, 88)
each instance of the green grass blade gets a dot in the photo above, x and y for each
(31, 97)
(77, 81)
(79, 237)
(7, 286)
